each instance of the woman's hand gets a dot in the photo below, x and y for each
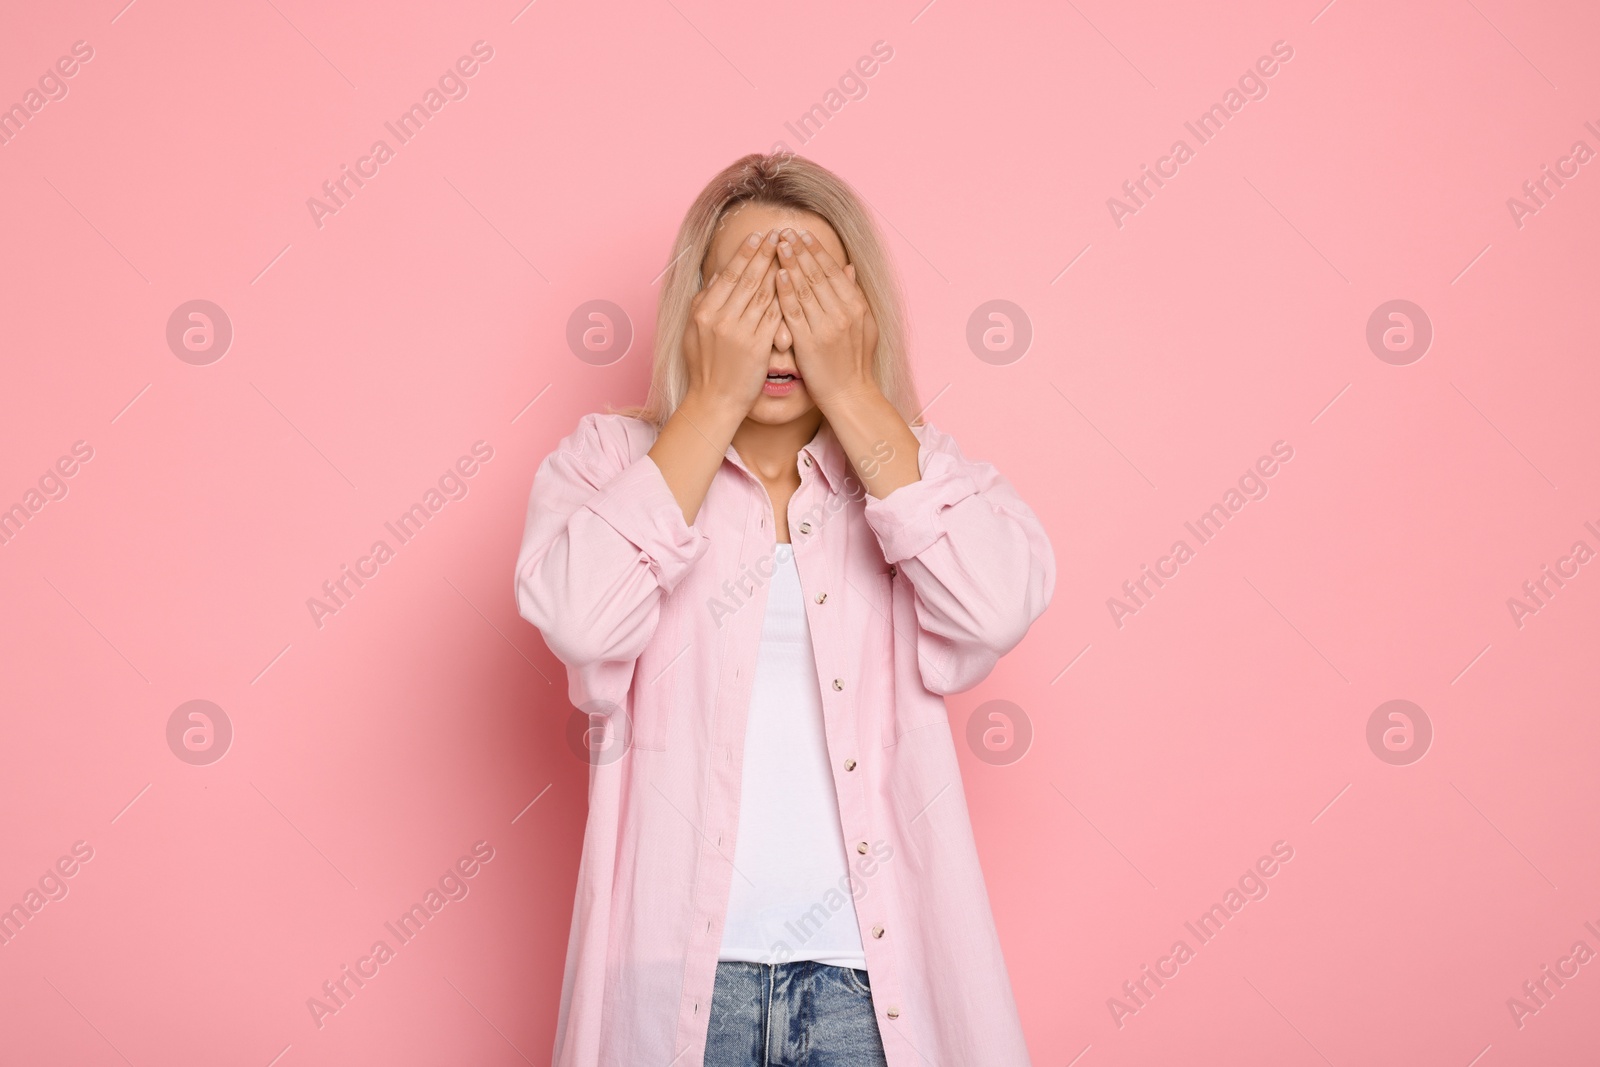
(835, 340)
(834, 332)
(727, 342)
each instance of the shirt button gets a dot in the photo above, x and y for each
(861, 847)
(838, 684)
(806, 460)
(822, 598)
(893, 1013)
(893, 570)
(877, 931)
(805, 527)
(849, 764)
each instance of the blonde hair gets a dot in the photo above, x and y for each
(791, 181)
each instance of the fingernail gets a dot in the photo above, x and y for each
(772, 237)
(783, 276)
(805, 235)
(754, 240)
(786, 249)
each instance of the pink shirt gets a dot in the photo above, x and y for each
(908, 598)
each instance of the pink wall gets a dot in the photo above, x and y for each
(1171, 347)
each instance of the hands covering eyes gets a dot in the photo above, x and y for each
(786, 279)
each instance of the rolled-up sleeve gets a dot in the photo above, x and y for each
(603, 543)
(977, 557)
(638, 504)
(910, 519)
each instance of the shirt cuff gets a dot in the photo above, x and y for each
(907, 521)
(639, 505)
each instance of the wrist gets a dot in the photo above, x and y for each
(851, 395)
(716, 417)
(882, 449)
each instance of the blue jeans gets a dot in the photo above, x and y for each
(799, 1014)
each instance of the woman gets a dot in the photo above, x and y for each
(762, 585)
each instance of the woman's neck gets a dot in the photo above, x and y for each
(770, 451)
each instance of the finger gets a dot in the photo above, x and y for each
(824, 274)
(767, 328)
(789, 301)
(766, 292)
(748, 285)
(836, 287)
(716, 289)
(806, 303)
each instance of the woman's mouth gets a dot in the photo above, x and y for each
(780, 383)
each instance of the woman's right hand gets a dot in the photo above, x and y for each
(727, 342)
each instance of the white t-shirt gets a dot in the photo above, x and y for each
(791, 888)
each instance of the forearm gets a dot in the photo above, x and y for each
(691, 447)
(866, 422)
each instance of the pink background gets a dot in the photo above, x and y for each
(1228, 313)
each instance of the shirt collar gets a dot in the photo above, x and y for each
(827, 454)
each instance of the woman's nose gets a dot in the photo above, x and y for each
(783, 338)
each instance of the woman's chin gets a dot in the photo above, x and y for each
(777, 410)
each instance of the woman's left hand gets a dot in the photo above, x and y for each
(835, 335)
